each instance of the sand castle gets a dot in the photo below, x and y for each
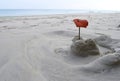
(84, 47)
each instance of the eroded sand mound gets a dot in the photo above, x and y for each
(103, 63)
(84, 47)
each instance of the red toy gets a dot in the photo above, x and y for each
(81, 23)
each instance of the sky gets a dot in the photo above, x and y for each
(61, 4)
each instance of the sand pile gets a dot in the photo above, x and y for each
(84, 47)
(104, 63)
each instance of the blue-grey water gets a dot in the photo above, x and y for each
(23, 12)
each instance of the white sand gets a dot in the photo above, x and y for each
(37, 48)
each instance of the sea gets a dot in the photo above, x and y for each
(27, 12)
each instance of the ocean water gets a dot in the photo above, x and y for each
(24, 12)
(21, 12)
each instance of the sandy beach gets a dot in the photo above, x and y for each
(37, 48)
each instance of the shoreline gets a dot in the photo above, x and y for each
(89, 13)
